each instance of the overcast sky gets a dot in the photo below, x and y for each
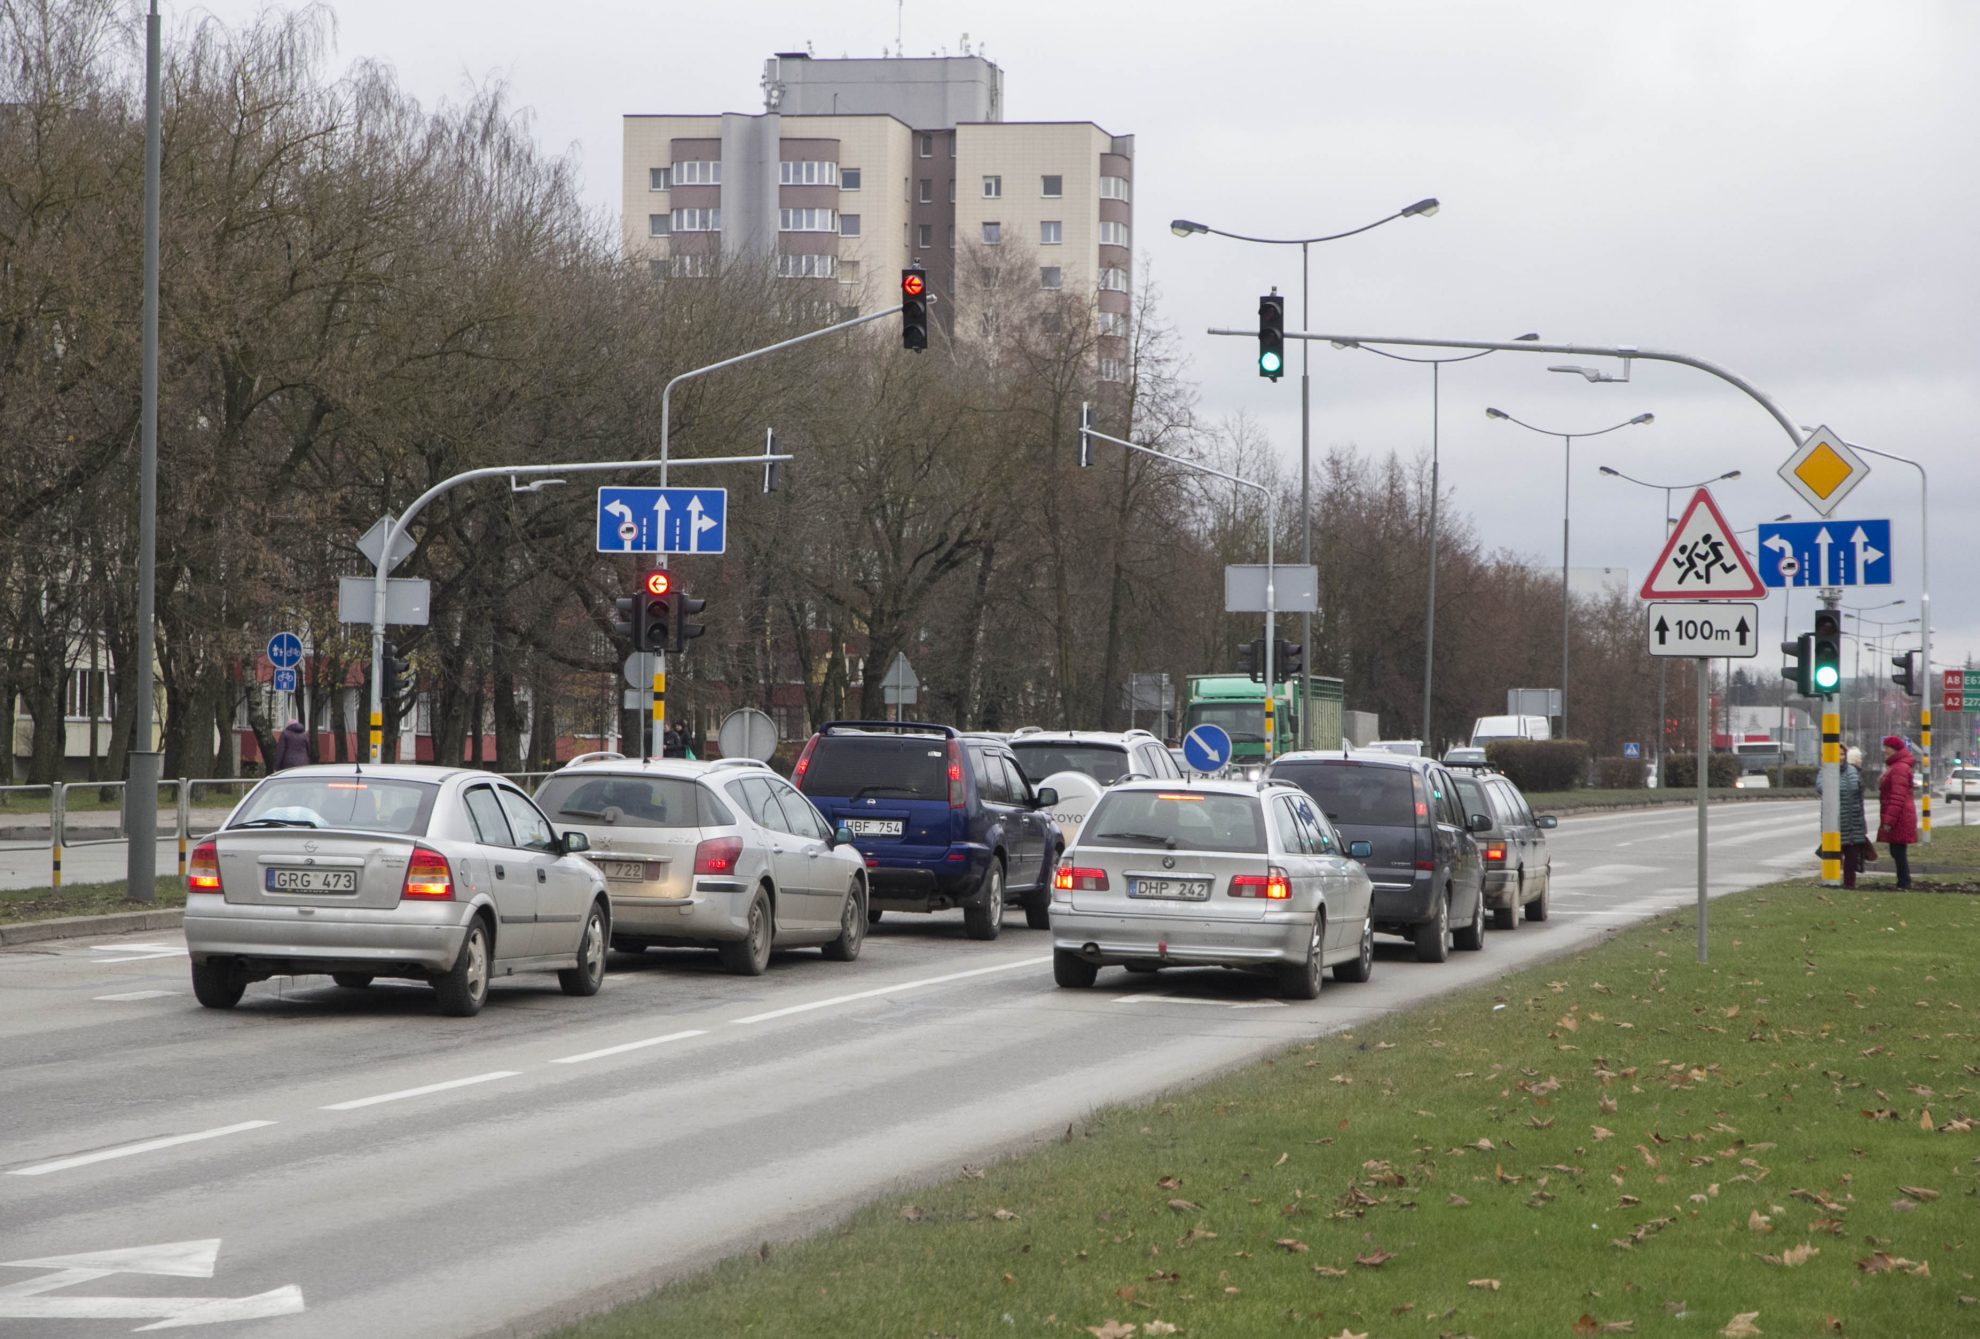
(1783, 187)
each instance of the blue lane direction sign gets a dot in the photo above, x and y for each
(663, 520)
(285, 650)
(285, 681)
(1207, 748)
(1825, 553)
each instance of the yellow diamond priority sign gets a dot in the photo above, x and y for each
(1823, 470)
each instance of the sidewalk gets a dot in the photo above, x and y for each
(99, 824)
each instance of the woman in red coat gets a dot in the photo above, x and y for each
(1897, 819)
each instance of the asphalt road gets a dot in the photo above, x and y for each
(330, 1162)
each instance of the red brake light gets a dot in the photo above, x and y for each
(718, 855)
(1069, 878)
(1495, 854)
(1427, 864)
(203, 869)
(804, 761)
(1422, 809)
(1274, 883)
(958, 794)
(428, 875)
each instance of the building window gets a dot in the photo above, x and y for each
(690, 267)
(1114, 323)
(952, 237)
(848, 225)
(810, 172)
(925, 191)
(848, 178)
(952, 190)
(1113, 188)
(89, 695)
(993, 188)
(1113, 369)
(993, 234)
(927, 146)
(1052, 187)
(924, 235)
(952, 144)
(807, 220)
(1113, 279)
(1051, 276)
(656, 178)
(698, 220)
(659, 225)
(1051, 232)
(806, 267)
(708, 173)
(848, 271)
(1113, 234)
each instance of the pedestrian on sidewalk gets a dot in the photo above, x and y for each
(291, 748)
(1897, 816)
(1855, 834)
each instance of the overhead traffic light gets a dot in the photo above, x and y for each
(1825, 661)
(1796, 671)
(1289, 662)
(914, 309)
(682, 606)
(1271, 336)
(1907, 672)
(394, 672)
(1251, 660)
(654, 587)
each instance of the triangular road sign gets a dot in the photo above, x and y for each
(1702, 560)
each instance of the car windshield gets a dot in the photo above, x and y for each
(622, 801)
(342, 800)
(1355, 794)
(878, 767)
(1105, 763)
(1176, 820)
(1244, 722)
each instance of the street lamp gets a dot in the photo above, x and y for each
(1423, 208)
(1567, 484)
(1430, 600)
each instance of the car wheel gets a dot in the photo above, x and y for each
(464, 987)
(1433, 937)
(1038, 910)
(1073, 971)
(852, 927)
(1363, 966)
(984, 917)
(1507, 917)
(1303, 982)
(351, 980)
(589, 974)
(218, 983)
(750, 955)
(1471, 937)
(1536, 910)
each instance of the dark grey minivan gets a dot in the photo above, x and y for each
(1427, 869)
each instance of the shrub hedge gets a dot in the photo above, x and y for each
(1619, 773)
(1541, 764)
(1681, 770)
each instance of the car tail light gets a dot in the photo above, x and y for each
(1430, 865)
(1495, 854)
(1074, 878)
(804, 761)
(1273, 883)
(958, 794)
(428, 876)
(203, 869)
(718, 855)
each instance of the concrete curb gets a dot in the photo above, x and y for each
(69, 927)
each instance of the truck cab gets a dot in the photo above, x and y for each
(1237, 703)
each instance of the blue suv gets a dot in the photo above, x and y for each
(944, 819)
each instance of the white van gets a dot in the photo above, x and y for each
(1486, 729)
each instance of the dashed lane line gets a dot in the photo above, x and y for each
(143, 1146)
(623, 1047)
(890, 990)
(421, 1091)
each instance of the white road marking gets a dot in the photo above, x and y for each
(628, 1046)
(1170, 997)
(404, 1093)
(139, 995)
(26, 1300)
(138, 952)
(889, 990)
(126, 1150)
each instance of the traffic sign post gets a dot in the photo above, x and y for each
(1207, 748)
(662, 520)
(1725, 631)
(1825, 553)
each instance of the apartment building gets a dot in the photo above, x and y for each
(857, 168)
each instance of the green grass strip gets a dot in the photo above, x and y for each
(85, 899)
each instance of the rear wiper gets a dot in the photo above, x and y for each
(276, 823)
(1166, 842)
(863, 791)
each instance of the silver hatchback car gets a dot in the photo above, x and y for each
(1212, 873)
(722, 854)
(440, 874)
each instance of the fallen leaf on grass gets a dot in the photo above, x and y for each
(1489, 1284)
(1169, 1183)
(1375, 1259)
(1282, 1160)
(1923, 1194)
(1004, 1216)
(1757, 1222)
(1881, 1113)
(1882, 1262)
(1346, 1334)
(1290, 1245)
(1457, 1201)
(1601, 1134)
(1329, 1272)
(1185, 1206)
(1742, 1326)
(914, 1213)
(1833, 1324)
(1482, 1145)
(1113, 1329)
(1925, 1122)
(1196, 1234)
(1158, 1327)
(1793, 1255)
(1587, 1325)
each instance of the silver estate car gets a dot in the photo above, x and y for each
(1218, 873)
(433, 873)
(725, 855)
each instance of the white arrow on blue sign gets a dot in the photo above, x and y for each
(1207, 748)
(1825, 553)
(285, 650)
(663, 520)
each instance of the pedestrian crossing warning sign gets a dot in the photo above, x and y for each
(1702, 560)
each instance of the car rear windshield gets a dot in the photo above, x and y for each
(1177, 821)
(370, 804)
(1105, 763)
(857, 767)
(629, 801)
(1356, 794)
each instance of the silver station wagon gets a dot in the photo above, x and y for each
(438, 874)
(1212, 873)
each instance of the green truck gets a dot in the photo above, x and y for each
(1237, 703)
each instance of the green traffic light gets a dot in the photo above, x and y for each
(1269, 363)
(1827, 677)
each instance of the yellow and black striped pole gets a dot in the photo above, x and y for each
(1271, 721)
(378, 736)
(55, 815)
(1925, 763)
(659, 713)
(1831, 794)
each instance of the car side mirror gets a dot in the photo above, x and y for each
(1480, 823)
(1360, 850)
(1546, 821)
(1045, 797)
(842, 835)
(575, 842)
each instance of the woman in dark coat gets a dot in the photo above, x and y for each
(1897, 821)
(291, 748)
(1855, 835)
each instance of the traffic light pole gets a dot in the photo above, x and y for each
(1829, 779)
(400, 527)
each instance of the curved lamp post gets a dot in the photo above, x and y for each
(1567, 484)
(1189, 228)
